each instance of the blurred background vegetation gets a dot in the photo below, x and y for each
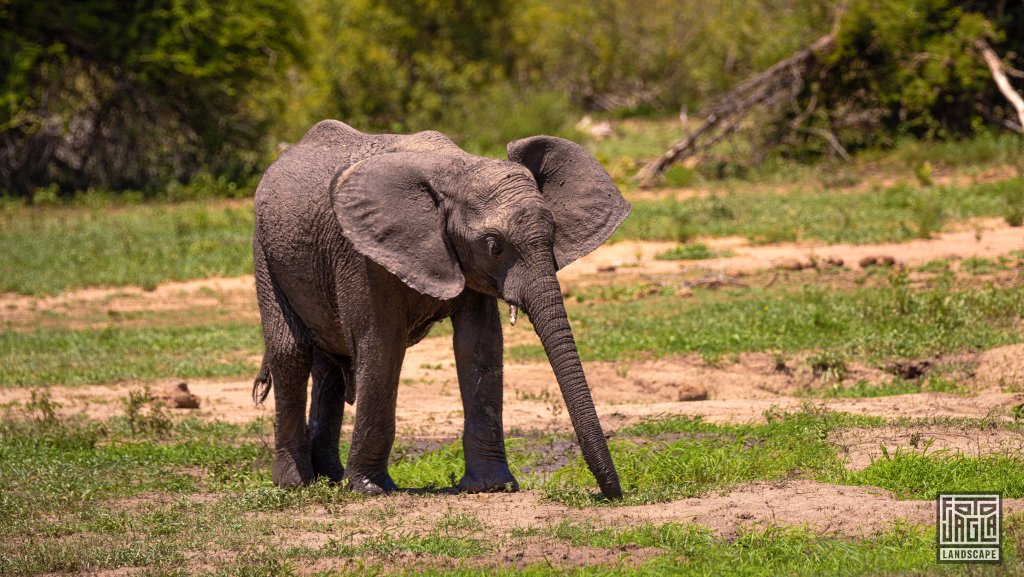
(151, 95)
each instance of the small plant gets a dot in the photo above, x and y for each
(41, 408)
(719, 210)
(928, 215)
(691, 251)
(924, 172)
(976, 265)
(678, 176)
(934, 266)
(145, 413)
(712, 358)
(680, 221)
(46, 195)
(779, 363)
(1017, 412)
(828, 366)
(622, 370)
(1013, 212)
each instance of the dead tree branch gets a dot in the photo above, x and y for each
(995, 66)
(783, 79)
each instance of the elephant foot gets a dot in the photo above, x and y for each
(496, 480)
(292, 468)
(372, 484)
(334, 473)
(328, 466)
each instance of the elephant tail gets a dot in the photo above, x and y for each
(261, 386)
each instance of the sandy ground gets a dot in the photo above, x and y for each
(429, 402)
(987, 238)
(862, 446)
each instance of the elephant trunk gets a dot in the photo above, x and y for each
(543, 303)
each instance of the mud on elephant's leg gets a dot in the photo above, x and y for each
(330, 377)
(378, 366)
(478, 358)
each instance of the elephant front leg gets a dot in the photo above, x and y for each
(478, 359)
(378, 367)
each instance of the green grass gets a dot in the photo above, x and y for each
(678, 457)
(922, 476)
(75, 357)
(896, 214)
(693, 550)
(638, 140)
(691, 251)
(46, 250)
(687, 457)
(873, 323)
(864, 389)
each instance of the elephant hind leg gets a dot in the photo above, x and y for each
(331, 376)
(287, 362)
(290, 365)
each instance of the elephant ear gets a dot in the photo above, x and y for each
(585, 202)
(388, 207)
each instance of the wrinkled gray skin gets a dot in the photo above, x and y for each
(364, 241)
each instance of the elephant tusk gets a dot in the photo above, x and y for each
(513, 311)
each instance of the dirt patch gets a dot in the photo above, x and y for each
(201, 301)
(862, 446)
(986, 238)
(1002, 367)
(561, 553)
(429, 404)
(823, 508)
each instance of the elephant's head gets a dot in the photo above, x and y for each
(443, 220)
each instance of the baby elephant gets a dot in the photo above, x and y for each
(364, 241)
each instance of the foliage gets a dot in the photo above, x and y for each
(638, 57)
(668, 458)
(902, 67)
(97, 93)
(99, 96)
(145, 413)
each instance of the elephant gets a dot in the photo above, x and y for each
(363, 241)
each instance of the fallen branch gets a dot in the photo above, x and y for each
(995, 66)
(783, 79)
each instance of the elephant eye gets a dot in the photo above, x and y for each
(493, 245)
